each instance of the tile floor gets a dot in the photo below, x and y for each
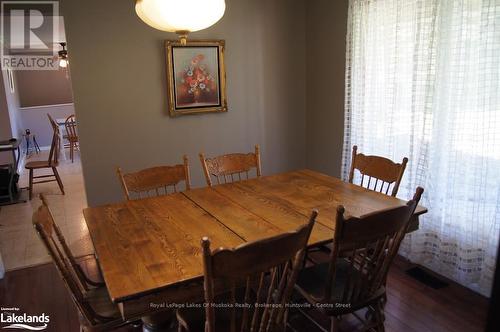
(19, 244)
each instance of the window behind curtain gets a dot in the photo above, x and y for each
(423, 81)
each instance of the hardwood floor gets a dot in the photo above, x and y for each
(411, 306)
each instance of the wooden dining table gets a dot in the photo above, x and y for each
(149, 249)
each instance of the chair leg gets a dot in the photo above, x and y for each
(379, 316)
(30, 186)
(334, 324)
(72, 150)
(285, 320)
(58, 178)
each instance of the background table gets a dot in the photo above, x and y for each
(149, 250)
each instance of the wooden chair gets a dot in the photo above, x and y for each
(71, 135)
(230, 167)
(266, 270)
(52, 162)
(83, 280)
(56, 128)
(97, 312)
(53, 123)
(355, 276)
(155, 180)
(377, 169)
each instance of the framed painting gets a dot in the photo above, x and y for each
(196, 77)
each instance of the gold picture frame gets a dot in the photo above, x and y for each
(196, 77)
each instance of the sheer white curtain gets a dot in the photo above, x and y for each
(423, 81)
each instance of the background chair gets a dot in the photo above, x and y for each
(71, 135)
(155, 181)
(267, 270)
(52, 162)
(230, 167)
(355, 277)
(97, 312)
(378, 171)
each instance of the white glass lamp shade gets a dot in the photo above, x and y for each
(63, 63)
(180, 15)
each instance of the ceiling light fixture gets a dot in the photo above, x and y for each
(63, 56)
(180, 16)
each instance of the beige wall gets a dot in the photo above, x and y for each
(326, 26)
(118, 73)
(43, 87)
(35, 119)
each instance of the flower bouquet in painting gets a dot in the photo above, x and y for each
(196, 84)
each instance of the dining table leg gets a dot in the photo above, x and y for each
(163, 321)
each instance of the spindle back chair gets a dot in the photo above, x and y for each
(53, 159)
(155, 181)
(231, 167)
(266, 269)
(54, 232)
(97, 312)
(53, 123)
(52, 162)
(362, 252)
(377, 173)
(71, 135)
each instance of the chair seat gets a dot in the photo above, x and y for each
(108, 313)
(311, 285)
(193, 319)
(99, 300)
(40, 164)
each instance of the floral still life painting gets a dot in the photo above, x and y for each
(196, 77)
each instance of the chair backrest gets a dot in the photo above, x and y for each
(56, 143)
(377, 173)
(64, 261)
(269, 267)
(155, 181)
(367, 246)
(53, 122)
(231, 167)
(70, 125)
